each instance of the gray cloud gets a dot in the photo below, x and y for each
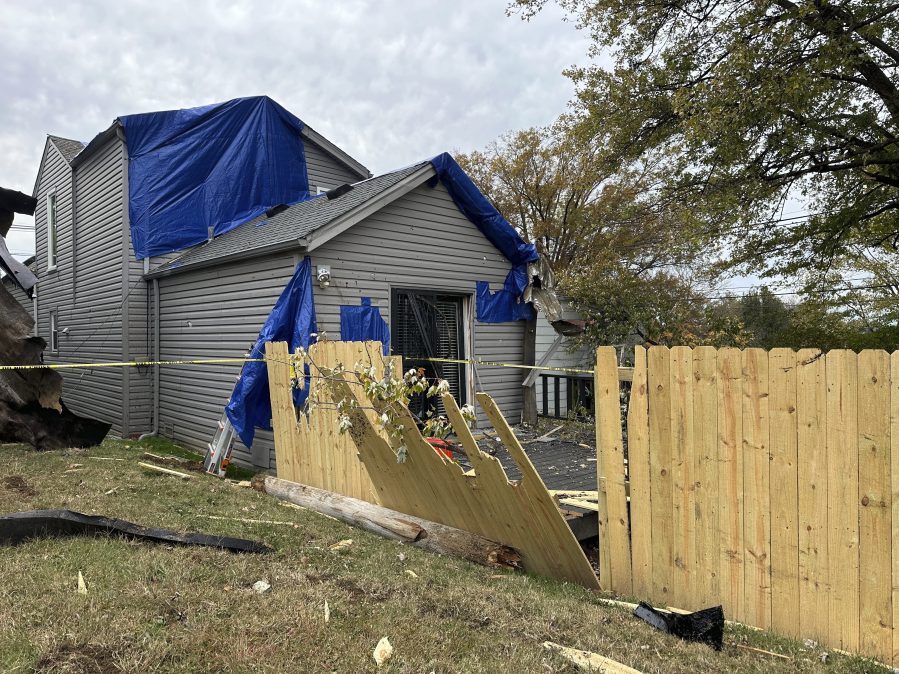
(390, 81)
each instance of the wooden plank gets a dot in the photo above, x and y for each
(683, 494)
(875, 517)
(638, 465)
(659, 379)
(842, 497)
(283, 414)
(705, 467)
(811, 450)
(612, 502)
(756, 490)
(894, 500)
(784, 494)
(730, 482)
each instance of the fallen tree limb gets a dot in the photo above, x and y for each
(396, 526)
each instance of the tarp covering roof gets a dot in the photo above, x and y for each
(215, 166)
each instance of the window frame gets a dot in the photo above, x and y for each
(54, 333)
(52, 232)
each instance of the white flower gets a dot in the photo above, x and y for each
(345, 424)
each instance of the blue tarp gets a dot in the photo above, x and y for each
(293, 321)
(364, 323)
(215, 166)
(503, 305)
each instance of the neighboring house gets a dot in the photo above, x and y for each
(397, 238)
(16, 291)
(559, 392)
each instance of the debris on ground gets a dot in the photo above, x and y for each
(705, 626)
(383, 651)
(82, 586)
(588, 661)
(18, 527)
(261, 586)
(327, 612)
(167, 471)
(411, 573)
(175, 461)
(341, 546)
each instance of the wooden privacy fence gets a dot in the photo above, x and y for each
(767, 482)
(362, 463)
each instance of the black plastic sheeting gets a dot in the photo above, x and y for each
(19, 527)
(705, 626)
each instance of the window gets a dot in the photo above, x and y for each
(51, 231)
(54, 333)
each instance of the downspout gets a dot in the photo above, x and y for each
(156, 352)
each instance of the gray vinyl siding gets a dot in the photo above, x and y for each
(324, 170)
(93, 309)
(419, 241)
(213, 313)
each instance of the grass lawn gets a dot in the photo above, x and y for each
(152, 607)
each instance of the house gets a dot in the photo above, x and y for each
(398, 239)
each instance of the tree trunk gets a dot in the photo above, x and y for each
(394, 525)
(31, 410)
(529, 408)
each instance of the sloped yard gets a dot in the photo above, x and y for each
(152, 607)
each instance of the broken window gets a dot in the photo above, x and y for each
(429, 325)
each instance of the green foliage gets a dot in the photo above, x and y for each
(747, 104)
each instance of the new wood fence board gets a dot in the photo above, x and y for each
(842, 496)
(612, 501)
(756, 490)
(783, 437)
(683, 480)
(660, 477)
(730, 482)
(894, 478)
(875, 517)
(705, 457)
(811, 418)
(639, 473)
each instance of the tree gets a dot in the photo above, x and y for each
(750, 104)
(620, 252)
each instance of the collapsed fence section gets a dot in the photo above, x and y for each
(763, 481)
(365, 462)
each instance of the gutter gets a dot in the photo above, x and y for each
(282, 246)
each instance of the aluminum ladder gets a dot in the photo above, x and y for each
(218, 455)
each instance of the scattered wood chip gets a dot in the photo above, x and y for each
(383, 651)
(110, 492)
(411, 573)
(341, 546)
(75, 466)
(327, 612)
(82, 586)
(167, 471)
(590, 662)
(762, 651)
(261, 586)
(546, 437)
(104, 458)
(247, 520)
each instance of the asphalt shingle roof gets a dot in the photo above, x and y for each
(69, 148)
(295, 222)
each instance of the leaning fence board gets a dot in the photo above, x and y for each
(842, 497)
(639, 472)
(784, 494)
(523, 516)
(874, 519)
(660, 476)
(730, 481)
(705, 468)
(811, 450)
(612, 501)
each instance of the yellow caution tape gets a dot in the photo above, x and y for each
(132, 363)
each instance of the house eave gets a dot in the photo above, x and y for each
(281, 247)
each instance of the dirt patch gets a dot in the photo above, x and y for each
(17, 484)
(78, 659)
(358, 592)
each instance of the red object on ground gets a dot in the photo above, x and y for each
(441, 447)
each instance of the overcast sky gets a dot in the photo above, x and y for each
(389, 81)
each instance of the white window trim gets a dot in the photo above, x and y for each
(52, 232)
(54, 333)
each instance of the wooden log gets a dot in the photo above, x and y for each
(394, 525)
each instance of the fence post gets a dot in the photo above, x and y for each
(614, 539)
